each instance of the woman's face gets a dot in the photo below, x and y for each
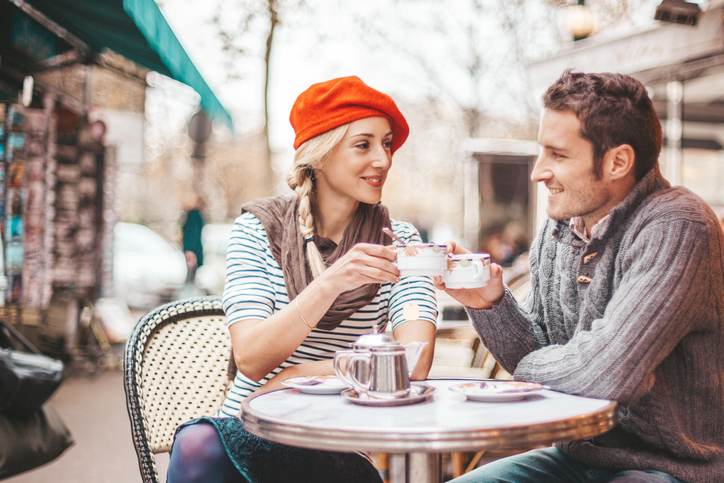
(357, 167)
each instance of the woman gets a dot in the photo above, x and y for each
(306, 275)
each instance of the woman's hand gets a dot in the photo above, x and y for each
(475, 298)
(364, 263)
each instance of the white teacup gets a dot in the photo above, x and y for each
(422, 259)
(468, 270)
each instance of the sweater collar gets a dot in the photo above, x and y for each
(653, 181)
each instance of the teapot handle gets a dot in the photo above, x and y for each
(343, 360)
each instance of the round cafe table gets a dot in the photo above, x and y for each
(416, 435)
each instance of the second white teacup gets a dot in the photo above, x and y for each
(424, 259)
(468, 270)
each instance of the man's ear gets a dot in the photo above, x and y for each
(620, 162)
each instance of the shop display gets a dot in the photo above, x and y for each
(13, 220)
(39, 175)
(54, 209)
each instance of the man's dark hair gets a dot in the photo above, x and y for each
(613, 109)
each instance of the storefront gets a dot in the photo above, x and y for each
(683, 66)
(499, 200)
(57, 170)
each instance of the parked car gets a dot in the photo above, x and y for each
(211, 276)
(147, 269)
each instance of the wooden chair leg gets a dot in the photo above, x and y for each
(382, 463)
(474, 461)
(458, 463)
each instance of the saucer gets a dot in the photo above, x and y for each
(419, 392)
(316, 384)
(497, 391)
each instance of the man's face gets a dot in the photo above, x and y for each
(565, 167)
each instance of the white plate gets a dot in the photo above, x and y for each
(316, 384)
(497, 391)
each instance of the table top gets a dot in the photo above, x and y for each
(447, 422)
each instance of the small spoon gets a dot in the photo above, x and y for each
(394, 237)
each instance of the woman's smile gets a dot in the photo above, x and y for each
(376, 181)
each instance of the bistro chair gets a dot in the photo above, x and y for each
(175, 368)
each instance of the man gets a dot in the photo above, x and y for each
(626, 299)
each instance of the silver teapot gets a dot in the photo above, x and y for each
(376, 366)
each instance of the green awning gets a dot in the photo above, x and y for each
(137, 30)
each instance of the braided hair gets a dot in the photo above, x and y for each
(309, 155)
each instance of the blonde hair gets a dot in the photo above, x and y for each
(301, 180)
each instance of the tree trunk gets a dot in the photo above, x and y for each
(273, 22)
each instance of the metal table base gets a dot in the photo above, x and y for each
(415, 468)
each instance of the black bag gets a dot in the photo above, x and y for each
(27, 379)
(29, 441)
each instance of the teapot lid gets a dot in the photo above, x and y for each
(375, 342)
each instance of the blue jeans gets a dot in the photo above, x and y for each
(550, 465)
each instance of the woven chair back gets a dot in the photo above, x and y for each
(175, 369)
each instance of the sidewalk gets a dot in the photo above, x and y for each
(94, 408)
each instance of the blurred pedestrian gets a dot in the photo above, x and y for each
(191, 228)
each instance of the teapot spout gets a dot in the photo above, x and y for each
(413, 350)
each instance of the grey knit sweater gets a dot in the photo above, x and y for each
(637, 316)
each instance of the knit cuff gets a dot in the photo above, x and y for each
(498, 312)
(505, 330)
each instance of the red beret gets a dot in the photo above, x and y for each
(327, 105)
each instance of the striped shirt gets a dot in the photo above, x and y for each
(255, 290)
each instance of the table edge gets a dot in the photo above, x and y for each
(524, 436)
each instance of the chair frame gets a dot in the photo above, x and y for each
(133, 360)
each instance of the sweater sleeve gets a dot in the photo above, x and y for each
(510, 330)
(652, 309)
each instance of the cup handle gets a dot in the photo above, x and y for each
(343, 360)
(483, 271)
(478, 268)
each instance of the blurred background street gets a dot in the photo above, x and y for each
(131, 132)
(94, 409)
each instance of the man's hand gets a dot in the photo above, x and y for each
(475, 298)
